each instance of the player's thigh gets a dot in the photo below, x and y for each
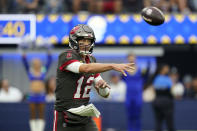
(61, 127)
(91, 126)
(60, 124)
(88, 127)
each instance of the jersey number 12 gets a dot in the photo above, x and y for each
(87, 88)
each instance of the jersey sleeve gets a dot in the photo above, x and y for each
(74, 67)
(67, 58)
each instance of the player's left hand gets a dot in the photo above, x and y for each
(102, 84)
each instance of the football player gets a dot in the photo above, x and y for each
(76, 72)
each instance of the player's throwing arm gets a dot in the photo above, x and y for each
(99, 68)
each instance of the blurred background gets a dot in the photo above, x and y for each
(37, 29)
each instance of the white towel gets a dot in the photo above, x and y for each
(89, 110)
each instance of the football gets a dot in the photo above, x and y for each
(153, 16)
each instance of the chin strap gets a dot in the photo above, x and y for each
(84, 52)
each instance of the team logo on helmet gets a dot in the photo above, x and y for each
(74, 29)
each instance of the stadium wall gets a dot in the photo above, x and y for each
(15, 117)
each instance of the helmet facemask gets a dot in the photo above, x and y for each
(85, 46)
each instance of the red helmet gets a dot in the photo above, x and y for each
(81, 31)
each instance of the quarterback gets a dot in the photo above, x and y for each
(77, 72)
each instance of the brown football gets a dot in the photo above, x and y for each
(153, 16)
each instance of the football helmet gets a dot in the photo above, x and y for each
(79, 32)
